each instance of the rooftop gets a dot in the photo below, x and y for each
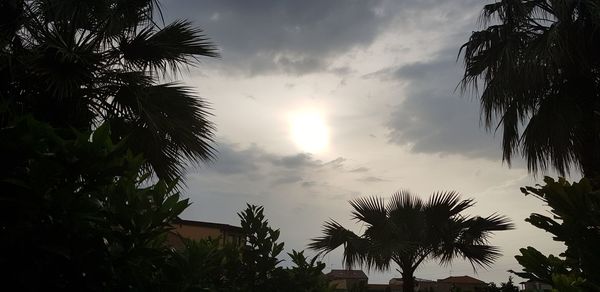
(224, 227)
(461, 280)
(346, 274)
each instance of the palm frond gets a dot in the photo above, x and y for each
(479, 255)
(370, 210)
(449, 202)
(170, 126)
(179, 43)
(477, 230)
(334, 236)
(403, 200)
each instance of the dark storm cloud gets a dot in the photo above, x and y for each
(308, 184)
(360, 169)
(255, 163)
(284, 36)
(287, 180)
(300, 160)
(300, 37)
(371, 179)
(434, 117)
(232, 161)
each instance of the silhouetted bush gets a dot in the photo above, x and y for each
(574, 221)
(79, 212)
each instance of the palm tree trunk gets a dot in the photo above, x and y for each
(589, 145)
(408, 281)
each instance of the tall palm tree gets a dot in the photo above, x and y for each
(539, 67)
(85, 62)
(408, 231)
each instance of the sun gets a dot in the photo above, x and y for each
(310, 132)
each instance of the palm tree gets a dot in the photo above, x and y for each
(539, 66)
(82, 63)
(408, 231)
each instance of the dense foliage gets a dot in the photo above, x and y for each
(77, 215)
(508, 286)
(574, 220)
(252, 267)
(408, 231)
(538, 64)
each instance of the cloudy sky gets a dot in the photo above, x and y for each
(319, 102)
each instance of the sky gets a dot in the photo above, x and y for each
(319, 102)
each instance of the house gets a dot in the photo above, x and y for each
(536, 286)
(464, 283)
(357, 280)
(198, 230)
(383, 288)
(347, 280)
(420, 284)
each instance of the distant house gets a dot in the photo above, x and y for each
(383, 288)
(197, 230)
(461, 283)
(348, 280)
(536, 286)
(357, 280)
(420, 284)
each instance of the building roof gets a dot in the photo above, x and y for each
(417, 280)
(378, 286)
(346, 274)
(224, 227)
(461, 280)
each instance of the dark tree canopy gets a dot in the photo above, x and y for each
(538, 67)
(81, 63)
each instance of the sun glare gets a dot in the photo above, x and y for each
(310, 132)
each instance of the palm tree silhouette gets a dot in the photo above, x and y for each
(539, 66)
(82, 63)
(408, 231)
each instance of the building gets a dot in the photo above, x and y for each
(464, 283)
(347, 280)
(197, 230)
(536, 286)
(420, 284)
(357, 280)
(383, 288)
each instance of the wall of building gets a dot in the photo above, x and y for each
(198, 232)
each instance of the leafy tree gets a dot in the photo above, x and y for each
(574, 220)
(509, 286)
(81, 63)
(408, 231)
(305, 275)
(203, 265)
(539, 267)
(258, 270)
(538, 64)
(77, 215)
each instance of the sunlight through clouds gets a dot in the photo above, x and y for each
(309, 131)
